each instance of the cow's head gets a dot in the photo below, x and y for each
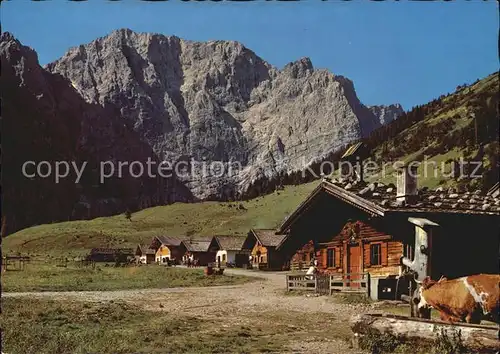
(422, 308)
(427, 283)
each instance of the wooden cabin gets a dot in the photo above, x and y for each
(358, 228)
(167, 249)
(263, 244)
(304, 257)
(198, 252)
(144, 254)
(230, 251)
(360, 248)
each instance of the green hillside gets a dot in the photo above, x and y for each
(208, 218)
(460, 125)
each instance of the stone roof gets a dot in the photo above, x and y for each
(196, 246)
(439, 199)
(230, 243)
(379, 199)
(268, 237)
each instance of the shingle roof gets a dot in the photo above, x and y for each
(169, 240)
(439, 199)
(230, 243)
(268, 238)
(379, 199)
(198, 238)
(196, 246)
(145, 249)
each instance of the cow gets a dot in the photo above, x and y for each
(468, 299)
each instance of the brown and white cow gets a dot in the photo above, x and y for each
(470, 299)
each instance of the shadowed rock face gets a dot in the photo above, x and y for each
(45, 119)
(218, 101)
(387, 114)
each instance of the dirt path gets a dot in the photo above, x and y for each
(245, 304)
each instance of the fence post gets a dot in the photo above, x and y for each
(368, 284)
(287, 282)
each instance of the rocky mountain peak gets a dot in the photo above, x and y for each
(387, 114)
(299, 68)
(218, 101)
(6, 37)
(10, 45)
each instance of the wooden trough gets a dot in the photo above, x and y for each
(479, 338)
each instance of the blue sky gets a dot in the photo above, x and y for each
(406, 52)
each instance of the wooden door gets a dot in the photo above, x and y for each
(354, 265)
(240, 259)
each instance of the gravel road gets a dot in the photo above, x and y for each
(240, 303)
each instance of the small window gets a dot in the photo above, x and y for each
(376, 254)
(408, 252)
(304, 257)
(223, 257)
(330, 258)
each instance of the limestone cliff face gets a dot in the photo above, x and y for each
(45, 119)
(218, 101)
(387, 114)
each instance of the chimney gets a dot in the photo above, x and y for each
(406, 184)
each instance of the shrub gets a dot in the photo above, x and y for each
(449, 343)
(379, 343)
(444, 343)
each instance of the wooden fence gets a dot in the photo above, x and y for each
(355, 282)
(299, 266)
(327, 284)
(14, 262)
(301, 282)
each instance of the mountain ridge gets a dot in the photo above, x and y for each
(219, 101)
(241, 109)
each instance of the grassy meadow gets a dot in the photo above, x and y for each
(46, 326)
(208, 218)
(48, 277)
